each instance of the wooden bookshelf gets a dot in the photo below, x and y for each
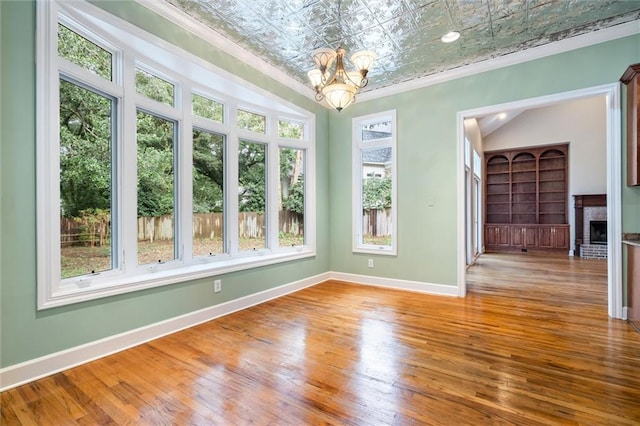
(527, 190)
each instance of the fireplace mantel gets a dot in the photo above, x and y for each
(582, 201)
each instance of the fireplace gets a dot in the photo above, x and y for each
(591, 226)
(598, 232)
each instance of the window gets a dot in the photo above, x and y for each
(208, 193)
(207, 108)
(87, 189)
(156, 188)
(291, 211)
(143, 178)
(154, 87)
(252, 191)
(374, 183)
(253, 122)
(290, 130)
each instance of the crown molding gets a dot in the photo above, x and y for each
(561, 46)
(199, 29)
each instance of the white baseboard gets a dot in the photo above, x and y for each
(28, 371)
(625, 313)
(18, 374)
(417, 286)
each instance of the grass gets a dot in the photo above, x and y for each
(377, 241)
(81, 260)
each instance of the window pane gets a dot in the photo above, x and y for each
(467, 152)
(291, 212)
(156, 194)
(290, 130)
(208, 108)
(208, 193)
(154, 87)
(377, 130)
(477, 164)
(86, 190)
(84, 53)
(376, 196)
(250, 121)
(251, 195)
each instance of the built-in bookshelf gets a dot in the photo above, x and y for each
(527, 190)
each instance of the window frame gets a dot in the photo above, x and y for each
(126, 275)
(358, 147)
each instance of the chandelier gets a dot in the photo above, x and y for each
(339, 87)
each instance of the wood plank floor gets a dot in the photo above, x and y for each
(530, 345)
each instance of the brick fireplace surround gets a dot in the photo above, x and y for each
(588, 208)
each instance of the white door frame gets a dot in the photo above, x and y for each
(614, 180)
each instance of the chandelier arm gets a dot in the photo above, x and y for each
(329, 80)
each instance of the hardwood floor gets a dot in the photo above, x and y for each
(531, 344)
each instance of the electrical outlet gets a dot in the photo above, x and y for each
(217, 286)
(370, 263)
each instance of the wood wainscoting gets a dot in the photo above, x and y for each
(531, 344)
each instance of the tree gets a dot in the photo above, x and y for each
(85, 150)
(376, 193)
(295, 200)
(86, 175)
(291, 185)
(251, 177)
(155, 165)
(208, 172)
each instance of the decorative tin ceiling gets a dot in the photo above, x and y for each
(405, 34)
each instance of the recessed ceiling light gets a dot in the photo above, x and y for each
(450, 37)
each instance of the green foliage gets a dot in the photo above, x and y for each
(84, 53)
(250, 121)
(295, 199)
(95, 223)
(85, 150)
(251, 178)
(290, 130)
(155, 165)
(154, 87)
(207, 108)
(208, 172)
(376, 193)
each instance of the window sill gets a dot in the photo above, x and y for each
(83, 289)
(381, 250)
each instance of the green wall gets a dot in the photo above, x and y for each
(427, 236)
(427, 162)
(27, 333)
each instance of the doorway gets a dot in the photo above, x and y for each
(611, 93)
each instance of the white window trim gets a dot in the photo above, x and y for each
(52, 291)
(358, 147)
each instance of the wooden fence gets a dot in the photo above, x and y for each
(205, 225)
(377, 223)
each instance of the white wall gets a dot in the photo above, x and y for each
(472, 131)
(582, 124)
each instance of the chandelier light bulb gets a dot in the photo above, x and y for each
(339, 95)
(363, 60)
